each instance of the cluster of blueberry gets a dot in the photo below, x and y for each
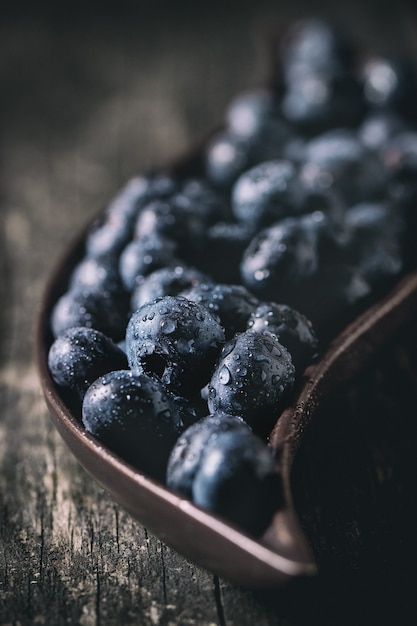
(173, 333)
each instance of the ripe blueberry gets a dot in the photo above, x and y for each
(266, 192)
(230, 304)
(80, 355)
(176, 339)
(91, 308)
(133, 415)
(166, 281)
(293, 330)
(253, 378)
(223, 467)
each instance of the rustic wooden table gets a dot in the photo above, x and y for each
(92, 93)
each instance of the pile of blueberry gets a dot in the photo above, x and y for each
(200, 299)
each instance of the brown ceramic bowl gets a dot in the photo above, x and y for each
(282, 553)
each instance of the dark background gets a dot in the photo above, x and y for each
(91, 93)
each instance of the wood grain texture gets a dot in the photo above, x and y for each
(91, 96)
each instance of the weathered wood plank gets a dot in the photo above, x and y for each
(85, 104)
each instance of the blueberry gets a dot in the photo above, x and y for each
(318, 88)
(230, 304)
(374, 241)
(187, 454)
(253, 378)
(329, 202)
(266, 192)
(294, 149)
(224, 468)
(226, 156)
(238, 481)
(250, 112)
(208, 201)
(93, 309)
(134, 416)
(113, 229)
(399, 156)
(254, 116)
(80, 355)
(142, 256)
(314, 46)
(162, 218)
(292, 328)
(183, 218)
(189, 409)
(389, 84)
(176, 339)
(98, 273)
(319, 102)
(281, 257)
(378, 128)
(338, 160)
(166, 281)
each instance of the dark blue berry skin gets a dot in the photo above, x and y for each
(318, 102)
(251, 112)
(253, 378)
(226, 157)
(266, 192)
(283, 256)
(161, 218)
(166, 281)
(190, 409)
(338, 160)
(378, 128)
(205, 200)
(230, 304)
(188, 452)
(80, 355)
(292, 328)
(255, 116)
(400, 158)
(374, 241)
(314, 46)
(332, 297)
(389, 84)
(93, 309)
(225, 240)
(111, 232)
(135, 417)
(98, 273)
(318, 88)
(177, 339)
(224, 468)
(181, 219)
(183, 214)
(328, 202)
(142, 256)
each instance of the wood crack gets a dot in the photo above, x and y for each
(219, 602)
